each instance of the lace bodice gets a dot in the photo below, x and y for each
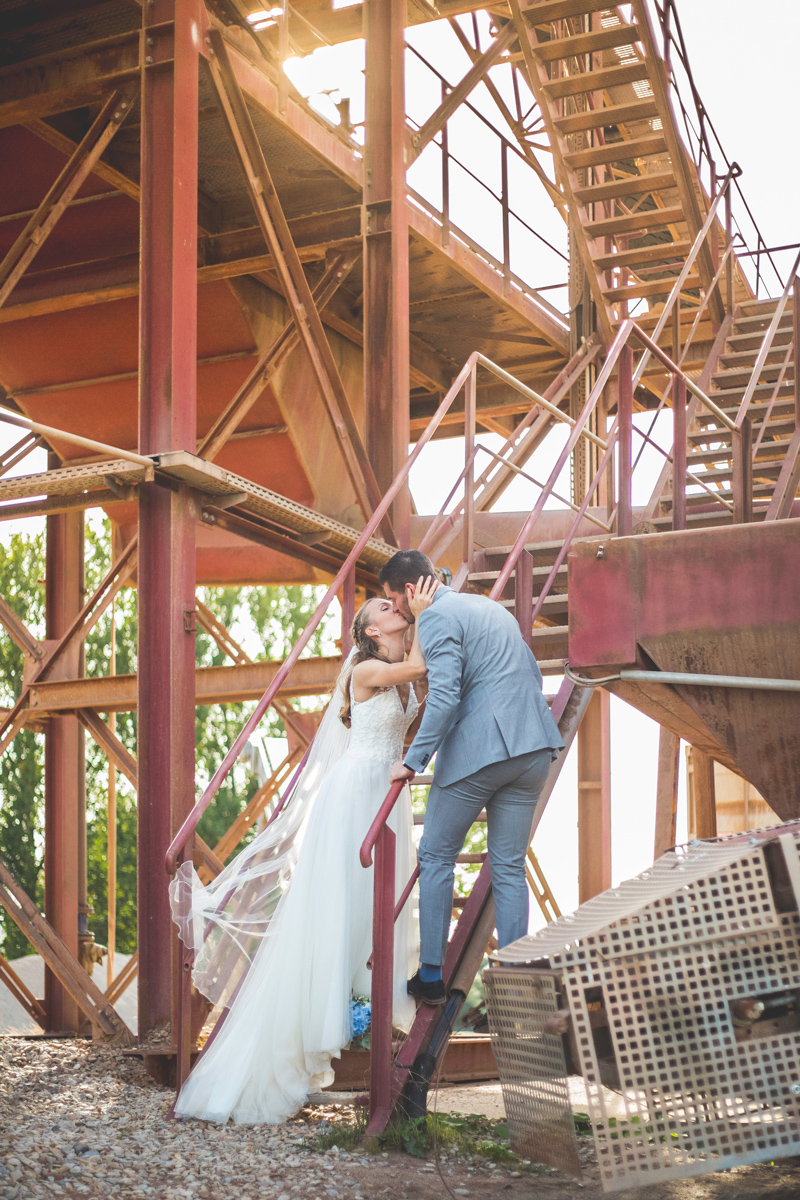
(378, 725)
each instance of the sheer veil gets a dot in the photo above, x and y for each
(225, 921)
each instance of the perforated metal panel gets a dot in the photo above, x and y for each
(655, 1003)
(532, 1066)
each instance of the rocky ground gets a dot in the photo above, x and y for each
(78, 1120)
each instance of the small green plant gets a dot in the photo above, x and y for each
(347, 1134)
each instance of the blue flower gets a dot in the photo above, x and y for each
(360, 1016)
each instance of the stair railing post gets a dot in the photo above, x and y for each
(523, 595)
(184, 958)
(742, 483)
(380, 1038)
(625, 426)
(470, 407)
(796, 327)
(728, 240)
(679, 452)
(348, 602)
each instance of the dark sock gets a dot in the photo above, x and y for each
(430, 972)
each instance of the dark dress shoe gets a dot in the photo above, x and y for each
(429, 993)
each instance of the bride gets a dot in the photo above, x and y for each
(282, 936)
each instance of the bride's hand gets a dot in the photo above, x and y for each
(423, 595)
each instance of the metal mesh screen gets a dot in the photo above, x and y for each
(532, 1066)
(655, 999)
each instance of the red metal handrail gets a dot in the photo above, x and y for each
(186, 831)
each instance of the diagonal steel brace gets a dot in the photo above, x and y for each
(68, 183)
(296, 290)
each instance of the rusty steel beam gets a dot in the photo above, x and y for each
(60, 141)
(76, 631)
(63, 796)
(333, 26)
(594, 797)
(228, 644)
(254, 529)
(213, 685)
(669, 750)
(22, 994)
(386, 269)
(67, 78)
(109, 743)
(293, 280)
(167, 421)
(62, 963)
(268, 363)
(19, 633)
(459, 92)
(70, 179)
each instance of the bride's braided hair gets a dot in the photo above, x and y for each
(365, 647)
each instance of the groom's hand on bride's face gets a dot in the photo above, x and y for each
(420, 595)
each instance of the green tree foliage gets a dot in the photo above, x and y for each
(266, 621)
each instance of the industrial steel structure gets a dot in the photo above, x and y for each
(227, 318)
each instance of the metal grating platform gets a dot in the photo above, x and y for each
(71, 481)
(211, 481)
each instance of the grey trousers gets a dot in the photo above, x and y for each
(508, 791)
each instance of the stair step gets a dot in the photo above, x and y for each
(723, 397)
(742, 323)
(543, 572)
(650, 218)
(546, 633)
(651, 287)
(752, 308)
(602, 118)
(743, 359)
(751, 343)
(768, 445)
(586, 43)
(551, 600)
(558, 10)
(617, 151)
(636, 185)
(536, 547)
(784, 421)
(666, 252)
(726, 493)
(739, 378)
(770, 468)
(595, 81)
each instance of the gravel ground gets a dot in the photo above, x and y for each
(78, 1120)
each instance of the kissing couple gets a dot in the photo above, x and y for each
(283, 935)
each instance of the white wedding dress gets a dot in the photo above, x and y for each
(291, 1015)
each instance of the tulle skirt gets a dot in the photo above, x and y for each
(292, 1015)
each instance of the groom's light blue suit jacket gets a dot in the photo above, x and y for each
(485, 701)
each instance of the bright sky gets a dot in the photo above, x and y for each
(746, 84)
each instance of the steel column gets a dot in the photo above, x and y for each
(679, 453)
(167, 518)
(625, 427)
(594, 797)
(386, 337)
(703, 814)
(380, 1076)
(63, 746)
(669, 748)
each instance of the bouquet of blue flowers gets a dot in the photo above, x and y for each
(360, 1020)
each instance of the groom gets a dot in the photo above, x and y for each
(488, 720)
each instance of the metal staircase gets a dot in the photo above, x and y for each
(635, 204)
(772, 408)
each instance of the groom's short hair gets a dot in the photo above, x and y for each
(407, 566)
